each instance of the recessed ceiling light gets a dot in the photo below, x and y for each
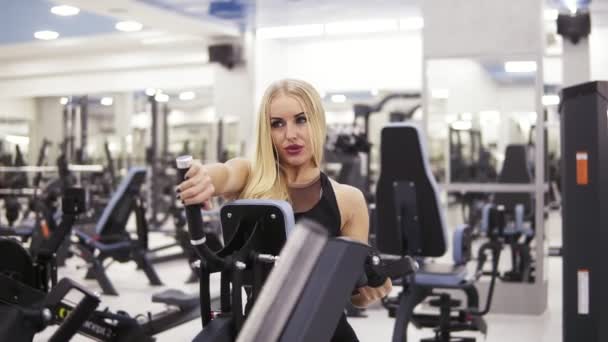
(106, 101)
(160, 97)
(64, 100)
(46, 35)
(338, 98)
(187, 95)
(128, 26)
(65, 10)
(150, 91)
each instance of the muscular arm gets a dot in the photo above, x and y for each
(356, 223)
(229, 177)
(356, 226)
(205, 181)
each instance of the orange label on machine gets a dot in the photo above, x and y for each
(582, 168)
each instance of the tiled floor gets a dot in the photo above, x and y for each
(136, 293)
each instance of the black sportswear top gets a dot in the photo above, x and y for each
(326, 213)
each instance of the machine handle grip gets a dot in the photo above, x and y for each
(194, 219)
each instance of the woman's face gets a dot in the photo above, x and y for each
(289, 130)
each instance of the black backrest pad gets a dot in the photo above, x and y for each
(403, 159)
(114, 218)
(515, 169)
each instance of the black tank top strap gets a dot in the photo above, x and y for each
(330, 196)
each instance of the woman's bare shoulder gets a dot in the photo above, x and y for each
(348, 197)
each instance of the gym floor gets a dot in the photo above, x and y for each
(135, 298)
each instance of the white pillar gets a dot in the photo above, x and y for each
(576, 63)
(233, 94)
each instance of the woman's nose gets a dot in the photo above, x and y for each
(290, 131)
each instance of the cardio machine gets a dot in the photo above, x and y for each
(256, 231)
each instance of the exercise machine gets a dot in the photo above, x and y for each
(257, 231)
(109, 238)
(306, 305)
(30, 294)
(410, 222)
(25, 284)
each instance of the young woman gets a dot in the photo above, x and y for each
(289, 151)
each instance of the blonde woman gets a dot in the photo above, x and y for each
(289, 151)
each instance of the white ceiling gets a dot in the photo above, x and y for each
(166, 29)
(290, 12)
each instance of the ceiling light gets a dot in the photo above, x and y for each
(64, 100)
(106, 101)
(550, 100)
(365, 26)
(440, 93)
(160, 97)
(46, 35)
(338, 98)
(411, 24)
(65, 10)
(187, 95)
(520, 66)
(150, 91)
(292, 31)
(128, 26)
(374, 92)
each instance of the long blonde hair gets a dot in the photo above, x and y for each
(267, 179)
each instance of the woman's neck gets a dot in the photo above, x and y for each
(301, 174)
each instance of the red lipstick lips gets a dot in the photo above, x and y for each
(294, 149)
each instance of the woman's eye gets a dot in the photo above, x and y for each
(276, 124)
(301, 119)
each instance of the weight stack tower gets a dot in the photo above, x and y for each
(584, 134)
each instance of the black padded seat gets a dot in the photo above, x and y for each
(441, 275)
